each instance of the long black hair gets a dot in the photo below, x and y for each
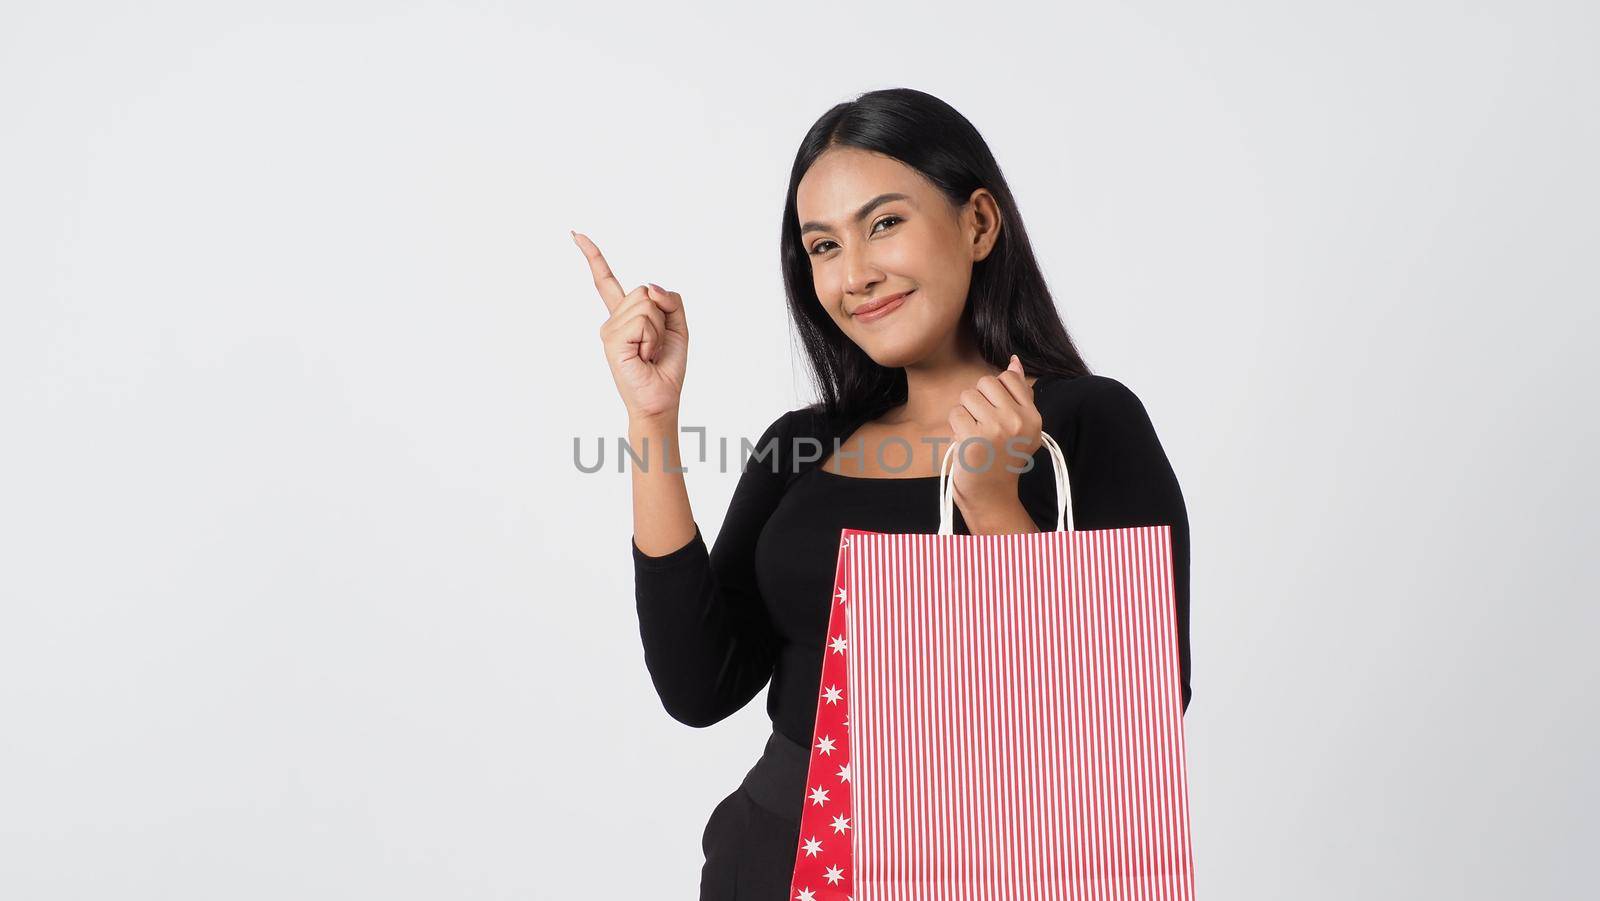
(1009, 308)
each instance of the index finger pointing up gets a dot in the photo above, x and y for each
(610, 289)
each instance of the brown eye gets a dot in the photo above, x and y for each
(817, 247)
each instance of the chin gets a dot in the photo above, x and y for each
(896, 354)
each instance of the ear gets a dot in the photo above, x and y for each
(984, 222)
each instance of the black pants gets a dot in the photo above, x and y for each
(753, 835)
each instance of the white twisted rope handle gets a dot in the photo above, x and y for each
(1063, 488)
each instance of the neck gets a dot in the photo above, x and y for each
(934, 385)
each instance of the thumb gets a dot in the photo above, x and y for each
(670, 303)
(1015, 365)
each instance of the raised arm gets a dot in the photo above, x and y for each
(1121, 478)
(708, 642)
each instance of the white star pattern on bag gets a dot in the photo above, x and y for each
(823, 873)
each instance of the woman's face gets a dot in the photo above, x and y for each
(914, 241)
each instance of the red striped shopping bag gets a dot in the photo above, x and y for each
(1000, 717)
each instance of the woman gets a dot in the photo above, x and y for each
(925, 319)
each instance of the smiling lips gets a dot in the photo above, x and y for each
(881, 307)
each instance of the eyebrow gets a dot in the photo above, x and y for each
(861, 214)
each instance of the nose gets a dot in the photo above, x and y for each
(859, 273)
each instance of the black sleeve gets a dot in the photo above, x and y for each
(708, 642)
(1120, 478)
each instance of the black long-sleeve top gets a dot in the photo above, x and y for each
(717, 626)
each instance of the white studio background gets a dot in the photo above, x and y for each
(304, 597)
